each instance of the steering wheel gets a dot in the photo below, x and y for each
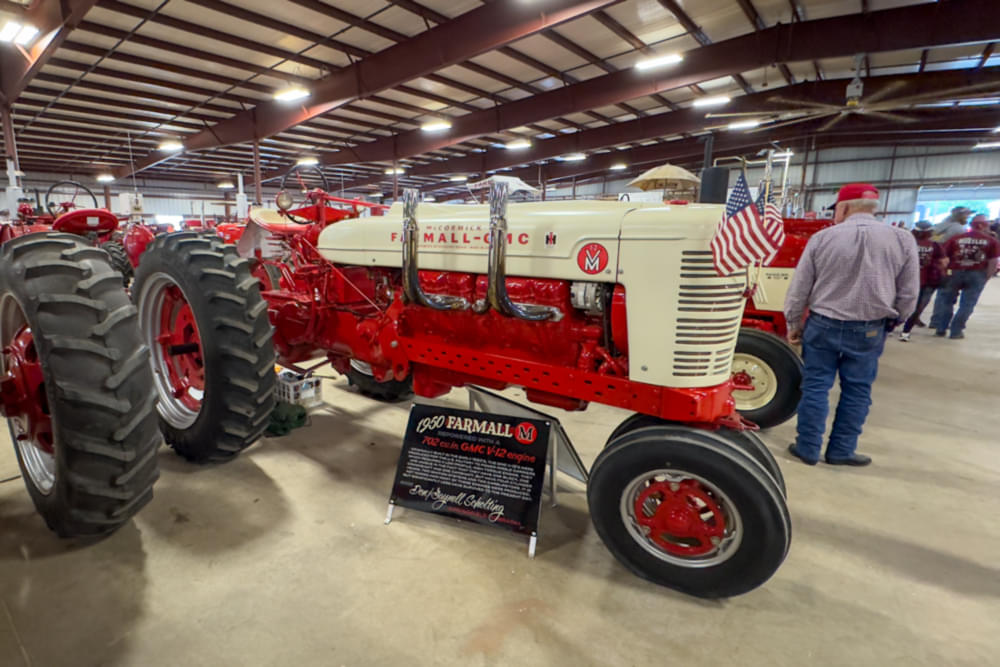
(287, 202)
(54, 207)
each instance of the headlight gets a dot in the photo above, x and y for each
(284, 201)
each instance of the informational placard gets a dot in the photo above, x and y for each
(483, 467)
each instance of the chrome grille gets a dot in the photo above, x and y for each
(710, 309)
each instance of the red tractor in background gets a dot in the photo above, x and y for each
(767, 371)
(576, 302)
(61, 213)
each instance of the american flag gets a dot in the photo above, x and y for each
(774, 224)
(743, 238)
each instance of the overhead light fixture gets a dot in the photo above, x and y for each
(987, 144)
(307, 161)
(659, 61)
(26, 35)
(574, 157)
(744, 124)
(291, 94)
(436, 126)
(517, 144)
(783, 155)
(399, 170)
(619, 167)
(997, 130)
(376, 195)
(171, 145)
(711, 101)
(226, 185)
(430, 199)
(105, 178)
(9, 31)
(458, 179)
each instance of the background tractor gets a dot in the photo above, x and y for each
(569, 300)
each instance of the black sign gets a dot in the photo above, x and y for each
(483, 467)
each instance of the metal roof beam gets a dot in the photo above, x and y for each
(927, 25)
(55, 20)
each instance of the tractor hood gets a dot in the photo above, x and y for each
(571, 240)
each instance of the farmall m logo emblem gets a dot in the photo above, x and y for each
(525, 433)
(592, 258)
(550, 238)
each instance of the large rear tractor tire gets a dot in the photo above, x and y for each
(210, 340)
(76, 384)
(772, 371)
(390, 391)
(119, 260)
(680, 508)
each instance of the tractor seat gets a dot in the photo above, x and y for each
(85, 220)
(276, 223)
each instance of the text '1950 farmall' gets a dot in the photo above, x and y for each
(576, 302)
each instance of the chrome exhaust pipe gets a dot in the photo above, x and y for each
(496, 291)
(412, 293)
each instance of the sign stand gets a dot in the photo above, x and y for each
(562, 456)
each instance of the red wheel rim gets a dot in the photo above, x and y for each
(681, 517)
(25, 404)
(180, 345)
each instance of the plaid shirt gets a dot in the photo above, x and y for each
(861, 269)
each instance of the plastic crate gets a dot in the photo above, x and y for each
(299, 390)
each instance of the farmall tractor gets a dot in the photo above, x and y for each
(576, 302)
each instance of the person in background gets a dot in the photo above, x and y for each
(932, 264)
(953, 225)
(972, 258)
(857, 279)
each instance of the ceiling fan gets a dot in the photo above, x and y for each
(875, 105)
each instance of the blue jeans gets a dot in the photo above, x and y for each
(970, 284)
(925, 298)
(830, 347)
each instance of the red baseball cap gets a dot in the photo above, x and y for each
(853, 191)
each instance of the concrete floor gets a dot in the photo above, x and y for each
(281, 557)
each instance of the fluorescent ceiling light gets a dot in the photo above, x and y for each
(458, 179)
(27, 34)
(291, 94)
(996, 130)
(436, 126)
(9, 31)
(307, 161)
(714, 101)
(430, 199)
(171, 146)
(226, 185)
(390, 171)
(744, 125)
(784, 154)
(659, 61)
(988, 144)
(105, 178)
(376, 195)
(619, 167)
(574, 157)
(518, 144)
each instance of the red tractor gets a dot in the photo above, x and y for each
(61, 213)
(767, 371)
(576, 302)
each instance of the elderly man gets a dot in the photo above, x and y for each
(972, 258)
(858, 279)
(953, 225)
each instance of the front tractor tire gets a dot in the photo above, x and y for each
(772, 372)
(391, 391)
(685, 510)
(119, 260)
(210, 340)
(76, 384)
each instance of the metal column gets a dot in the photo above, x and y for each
(258, 186)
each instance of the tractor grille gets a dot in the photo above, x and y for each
(710, 309)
